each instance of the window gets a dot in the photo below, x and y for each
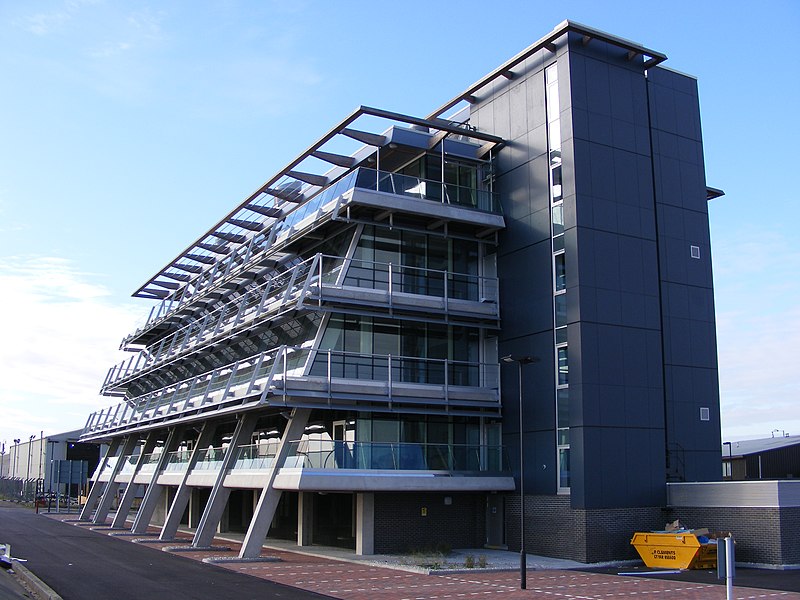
(695, 250)
(705, 414)
(558, 219)
(563, 367)
(560, 272)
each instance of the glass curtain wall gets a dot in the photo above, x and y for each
(418, 262)
(420, 352)
(559, 278)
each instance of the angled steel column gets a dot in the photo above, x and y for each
(130, 489)
(268, 501)
(97, 486)
(218, 499)
(111, 489)
(175, 513)
(154, 491)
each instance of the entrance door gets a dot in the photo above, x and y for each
(495, 526)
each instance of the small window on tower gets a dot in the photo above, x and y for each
(695, 251)
(705, 414)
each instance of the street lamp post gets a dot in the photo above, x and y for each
(30, 455)
(523, 558)
(15, 460)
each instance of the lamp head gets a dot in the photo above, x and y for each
(523, 360)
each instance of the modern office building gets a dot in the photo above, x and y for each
(364, 351)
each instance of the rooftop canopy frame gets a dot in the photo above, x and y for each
(294, 184)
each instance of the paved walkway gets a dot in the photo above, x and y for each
(337, 573)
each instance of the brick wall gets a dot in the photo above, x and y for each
(401, 527)
(790, 544)
(764, 535)
(553, 528)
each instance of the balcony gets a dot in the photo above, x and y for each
(396, 456)
(313, 378)
(428, 201)
(327, 283)
(346, 466)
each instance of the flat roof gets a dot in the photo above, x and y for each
(652, 57)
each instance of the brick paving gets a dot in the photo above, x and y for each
(359, 581)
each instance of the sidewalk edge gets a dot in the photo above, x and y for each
(39, 586)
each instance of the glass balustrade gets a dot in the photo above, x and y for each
(129, 466)
(150, 462)
(255, 457)
(209, 459)
(178, 461)
(329, 454)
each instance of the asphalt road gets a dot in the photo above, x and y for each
(85, 565)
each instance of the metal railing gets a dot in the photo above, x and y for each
(307, 215)
(290, 290)
(254, 378)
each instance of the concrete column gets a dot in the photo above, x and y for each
(154, 492)
(194, 507)
(111, 489)
(365, 524)
(97, 486)
(218, 500)
(130, 490)
(178, 505)
(268, 500)
(305, 518)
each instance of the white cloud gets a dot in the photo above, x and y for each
(60, 334)
(45, 23)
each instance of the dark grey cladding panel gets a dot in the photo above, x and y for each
(695, 226)
(501, 117)
(690, 342)
(600, 129)
(526, 290)
(631, 450)
(534, 101)
(693, 186)
(518, 112)
(688, 302)
(672, 79)
(541, 470)
(678, 266)
(674, 106)
(608, 354)
(668, 180)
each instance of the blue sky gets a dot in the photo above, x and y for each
(127, 129)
